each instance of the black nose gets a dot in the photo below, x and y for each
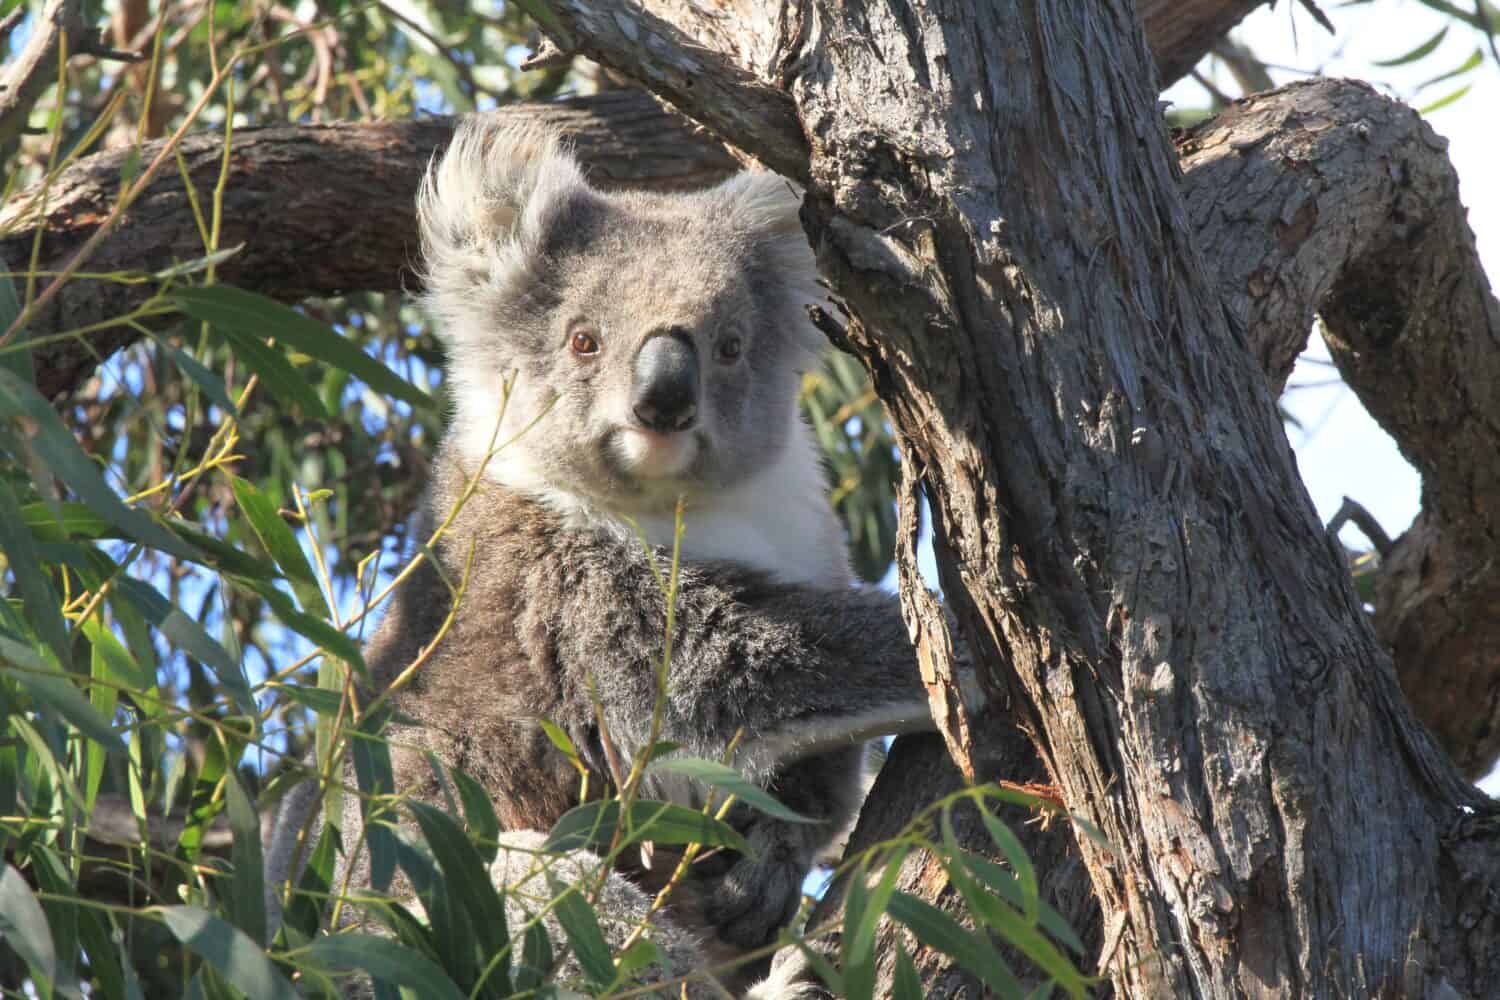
(664, 386)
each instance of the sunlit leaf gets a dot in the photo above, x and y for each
(593, 824)
(1421, 51)
(255, 315)
(729, 780)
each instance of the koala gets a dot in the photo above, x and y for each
(611, 355)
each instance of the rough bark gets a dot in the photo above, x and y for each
(1117, 516)
(1329, 197)
(319, 210)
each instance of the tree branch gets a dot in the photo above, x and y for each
(1327, 196)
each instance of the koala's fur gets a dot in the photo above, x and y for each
(771, 640)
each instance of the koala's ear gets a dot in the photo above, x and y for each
(764, 208)
(485, 204)
(762, 203)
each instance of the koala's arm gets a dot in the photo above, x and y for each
(800, 670)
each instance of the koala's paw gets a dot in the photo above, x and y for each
(753, 898)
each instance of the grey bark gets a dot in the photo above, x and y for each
(1117, 517)
(1329, 197)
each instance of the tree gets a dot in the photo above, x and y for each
(1084, 401)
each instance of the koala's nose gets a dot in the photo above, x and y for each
(664, 385)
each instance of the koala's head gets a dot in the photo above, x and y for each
(655, 342)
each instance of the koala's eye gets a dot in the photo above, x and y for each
(583, 343)
(728, 349)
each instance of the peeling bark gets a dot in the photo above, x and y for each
(1117, 517)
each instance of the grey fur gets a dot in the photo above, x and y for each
(562, 605)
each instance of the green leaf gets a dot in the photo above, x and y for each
(16, 355)
(384, 960)
(55, 690)
(1004, 885)
(60, 522)
(254, 315)
(273, 533)
(1443, 102)
(23, 926)
(1467, 66)
(199, 264)
(305, 909)
(936, 929)
(117, 664)
(43, 607)
(584, 936)
(188, 636)
(248, 899)
(23, 407)
(559, 739)
(536, 958)
(479, 813)
(230, 951)
(319, 700)
(372, 771)
(1425, 49)
(905, 984)
(1015, 853)
(280, 378)
(469, 882)
(316, 630)
(860, 923)
(593, 824)
(1017, 931)
(729, 780)
(208, 381)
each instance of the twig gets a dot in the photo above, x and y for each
(26, 78)
(1352, 511)
(1311, 6)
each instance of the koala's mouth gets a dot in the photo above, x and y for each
(649, 455)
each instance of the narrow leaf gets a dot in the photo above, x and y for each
(593, 824)
(729, 780)
(211, 384)
(38, 596)
(1425, 49)
(23, 925)
(188, 636)
(584, 936)
(229, 951)
(386, 961)
(280, 378)
(248, 898)
(272, 531)
(479, 813)
(936, 929)
(23, 406)
(254, 315)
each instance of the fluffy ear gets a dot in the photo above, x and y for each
(484, 205)
(764, 208)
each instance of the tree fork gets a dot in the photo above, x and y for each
(1117, 516)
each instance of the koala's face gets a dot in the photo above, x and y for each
(652, 344)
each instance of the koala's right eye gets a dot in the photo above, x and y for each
(583, 342)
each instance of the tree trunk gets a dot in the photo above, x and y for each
(1116, 513)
